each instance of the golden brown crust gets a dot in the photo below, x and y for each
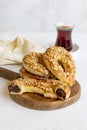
(49, 74)
(31, 86)
(49, 88)
(24, 74)
(33, 63)
(60, 63)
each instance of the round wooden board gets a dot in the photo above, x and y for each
(38, 102)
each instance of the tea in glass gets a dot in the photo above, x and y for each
(64, 36)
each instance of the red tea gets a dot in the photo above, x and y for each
(64, 37)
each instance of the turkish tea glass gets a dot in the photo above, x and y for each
(64, 35)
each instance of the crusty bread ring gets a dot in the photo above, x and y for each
(33, 63)
(60, 63)
(50, 88)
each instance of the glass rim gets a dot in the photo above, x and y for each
(64, 25)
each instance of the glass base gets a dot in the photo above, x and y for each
(75, 48)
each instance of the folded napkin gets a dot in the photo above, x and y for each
(12, 52)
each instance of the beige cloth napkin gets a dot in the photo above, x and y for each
(12, 52)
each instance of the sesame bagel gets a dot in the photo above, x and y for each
(60, 63)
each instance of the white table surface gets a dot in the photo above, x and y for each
(74, 117)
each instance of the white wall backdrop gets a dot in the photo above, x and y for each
(41, 15)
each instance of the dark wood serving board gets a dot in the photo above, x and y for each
(38, 102)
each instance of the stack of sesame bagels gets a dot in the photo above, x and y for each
(50, 74)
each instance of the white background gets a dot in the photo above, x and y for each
(37, 16)
(41, 15)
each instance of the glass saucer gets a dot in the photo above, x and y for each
(74, 48)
